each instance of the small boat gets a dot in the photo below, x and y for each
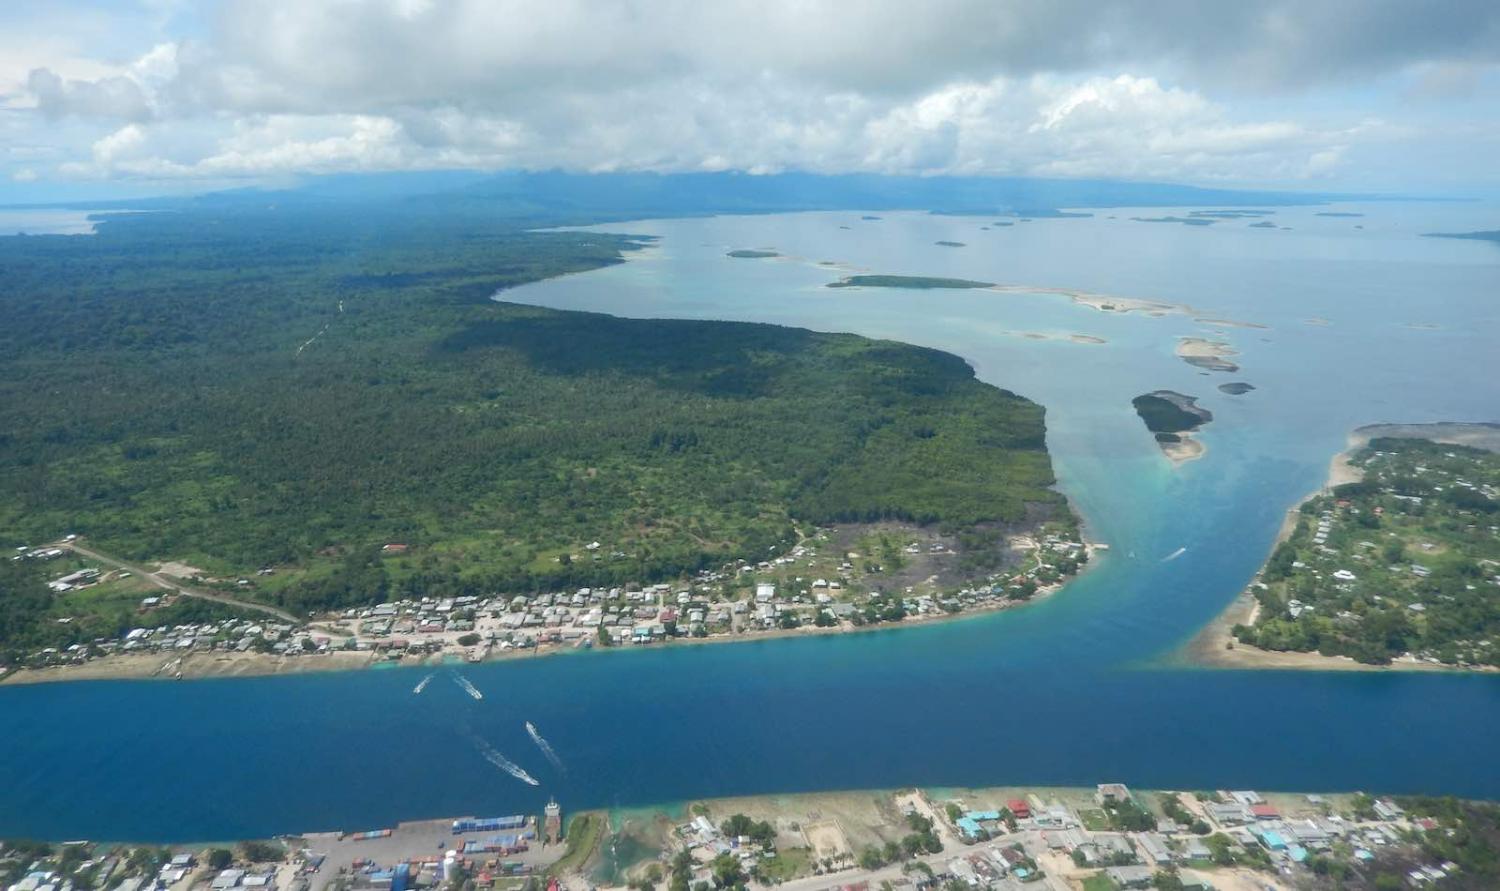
(468, 687)
(421, 685)
(545, 746)
(494, 757)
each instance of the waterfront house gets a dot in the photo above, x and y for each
(1111, 793)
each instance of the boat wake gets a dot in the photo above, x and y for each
(546, 747)
(421, 685)
(1174, 555)
(468, 687)
(494, 757)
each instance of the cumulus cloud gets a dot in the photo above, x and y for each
(108, 97)
(1145, 88)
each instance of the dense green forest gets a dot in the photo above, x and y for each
(1167, 412)
(245, 387)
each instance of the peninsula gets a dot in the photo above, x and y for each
(345, 459)
(1395, 563)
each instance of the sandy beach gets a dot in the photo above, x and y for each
(1205, 353)
(1185, 449)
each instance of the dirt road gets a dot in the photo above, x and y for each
(163, 581)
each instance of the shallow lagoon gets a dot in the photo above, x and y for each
(1080, 688)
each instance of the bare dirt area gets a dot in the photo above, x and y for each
(180, 570)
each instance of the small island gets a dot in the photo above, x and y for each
(1187, 221)
(869, 217)
(1487, 235)
(1236, 388)
(913, 282)
(752, 254)
(1264, 224)
(1173, 417)
(1230, 214)
(954, 244)
(1210, 355)
(1050, 213)
(1336, 213)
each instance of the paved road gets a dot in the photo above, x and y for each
(171, 584)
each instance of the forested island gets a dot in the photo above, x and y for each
(317, 410)
(1172, 418)
(751, 254)
(1186, 221)
(1402, 564)
(914, 282)
(1488, 235)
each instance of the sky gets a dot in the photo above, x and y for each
(112, 98)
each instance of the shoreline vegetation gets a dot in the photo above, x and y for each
(1216, 646)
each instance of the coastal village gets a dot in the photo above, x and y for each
(1103, 839)
(1401, 566)
(827, 583)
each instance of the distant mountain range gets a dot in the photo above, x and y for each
(621, 195)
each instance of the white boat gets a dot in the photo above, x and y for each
(545, 746)
(468, 687)
(421, 685)
(494, 757)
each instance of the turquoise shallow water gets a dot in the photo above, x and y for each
(1079, 688)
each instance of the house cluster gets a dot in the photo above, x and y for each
(81, 578)
(114, 868)
(706, 842)
(226, 636)
(624, 616)
(42, 554)
(237, 879)
(1031, 827)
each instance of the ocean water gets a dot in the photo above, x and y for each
(1086, 686)
(45, 221)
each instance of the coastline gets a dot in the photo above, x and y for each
(1215, 646)
(203, 665)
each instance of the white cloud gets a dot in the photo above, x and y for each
(1068, 88)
